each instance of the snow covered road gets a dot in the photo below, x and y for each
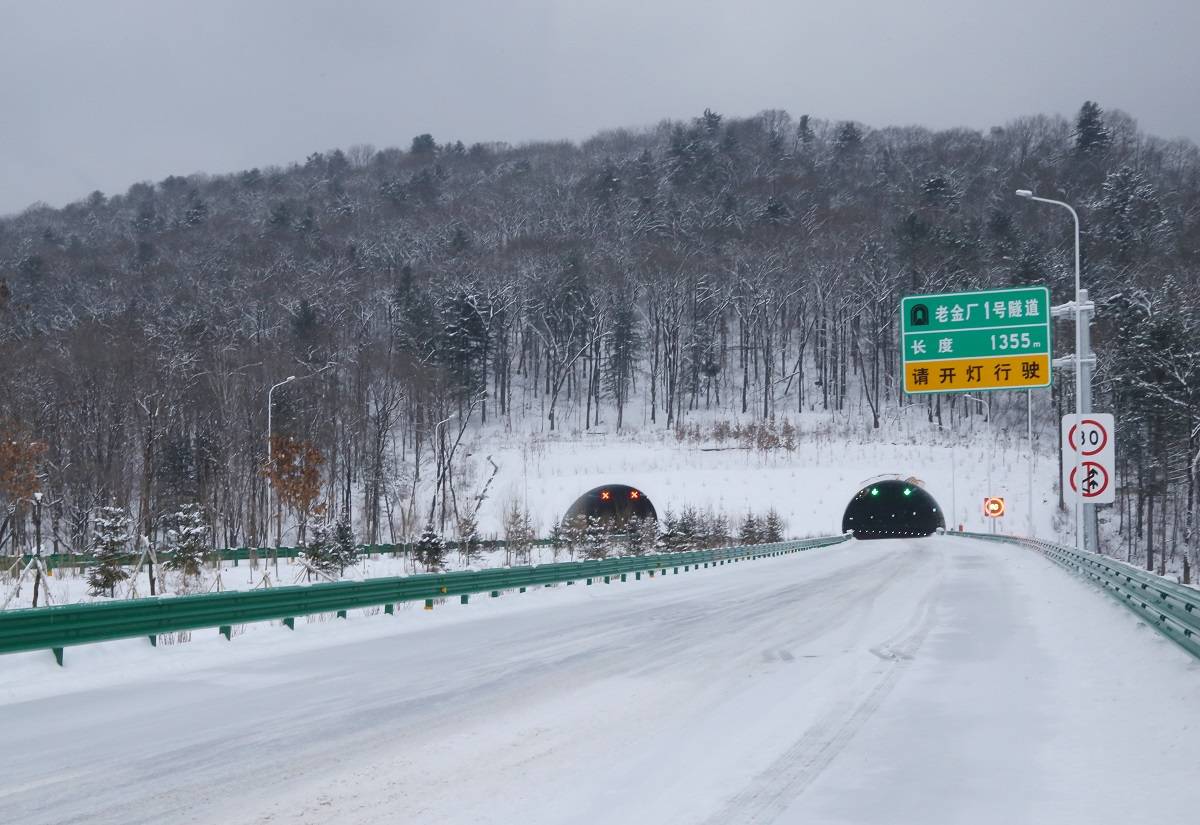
(922, 681)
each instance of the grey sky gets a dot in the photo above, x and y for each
(99, 94)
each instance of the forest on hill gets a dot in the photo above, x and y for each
(750, 266)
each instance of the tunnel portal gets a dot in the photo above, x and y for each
(892, 509)
(615, 502)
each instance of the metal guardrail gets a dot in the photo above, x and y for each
(55, 628)
(1172, 609)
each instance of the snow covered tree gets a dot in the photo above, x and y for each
(640, 536)
(689, 530)
(431, 549)
(669, 540)
(772, 527)
(110, 542)
(574, 533)
(319, 551)
(750, 532)
(186, 540)
(345, 551)
(1091, 133)
(596, 541)
(518, 534)
(470, 546)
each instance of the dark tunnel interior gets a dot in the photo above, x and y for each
(617, 502)
(892, 509)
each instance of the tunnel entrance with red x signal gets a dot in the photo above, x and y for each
(618, 502)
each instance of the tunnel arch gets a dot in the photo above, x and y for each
(892, 508)
(617, 502)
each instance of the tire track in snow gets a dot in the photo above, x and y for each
(773, 790)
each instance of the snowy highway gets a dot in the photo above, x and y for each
(920, 681)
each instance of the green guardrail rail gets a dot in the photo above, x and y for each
(55, 628)
(1171, 608)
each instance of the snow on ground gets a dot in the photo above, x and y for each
(922, 681)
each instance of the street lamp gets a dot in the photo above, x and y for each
(270, 455)
(1080, 378)
(990, 448)
(37, 552)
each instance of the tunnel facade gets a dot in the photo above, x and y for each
(892, 509)
(613, 502)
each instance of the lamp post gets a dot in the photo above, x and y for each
(270, 455)
(988, 407)
(37, 550)
(1081, 377)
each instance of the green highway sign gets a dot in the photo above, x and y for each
(968, 341)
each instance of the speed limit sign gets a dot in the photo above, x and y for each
(1088, 453)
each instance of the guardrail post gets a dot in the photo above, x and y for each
(429, 604)
(495, 594)
(623, 577)
(290, 623)
(607, 579)
(58, 655)
(389, 609)
(154, 640)
(522, 590)
(464, 598)
(637, 576)
(226, 631)
(589, 581)
(341, 614)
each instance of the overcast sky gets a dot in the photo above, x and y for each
(98, 95)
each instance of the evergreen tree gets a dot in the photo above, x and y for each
(319, 551)
(431, 549)
(689, 530)
(849, 138)
(641, 536)
(574, 533)
(186, 540)
(423, 145)
(110, 541)
(596, 541)
(772, 529)
(750, 533)
(470, 546)
(344, 549)
(668, 535)
(718, 530)
(1091, 133)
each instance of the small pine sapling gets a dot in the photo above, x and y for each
(345, 552)
(318, 553)
(110, 541)
(186, 540)
(431, 549)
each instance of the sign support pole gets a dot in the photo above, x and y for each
(1090, 525)
(1082, 356)
(1032, 458)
